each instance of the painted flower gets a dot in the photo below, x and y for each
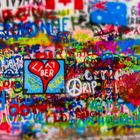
(129, 88)
(82, 35)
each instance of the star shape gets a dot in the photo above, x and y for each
(99, 6)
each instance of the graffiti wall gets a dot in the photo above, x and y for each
(69, 69)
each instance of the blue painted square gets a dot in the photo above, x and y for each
(115, 13)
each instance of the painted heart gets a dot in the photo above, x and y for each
(46, 71)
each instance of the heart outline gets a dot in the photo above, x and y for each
(44, 80)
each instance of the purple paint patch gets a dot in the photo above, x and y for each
(139, 9)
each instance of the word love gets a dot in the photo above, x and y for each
(46, 71)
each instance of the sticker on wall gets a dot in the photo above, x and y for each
(44, 76)
(12, 66)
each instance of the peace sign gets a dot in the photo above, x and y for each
(74, 87)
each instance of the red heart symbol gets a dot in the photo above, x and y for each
(129, 88)
(46, 71)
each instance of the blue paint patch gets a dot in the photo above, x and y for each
(124, 45)
(131, 107)
(115, 13)
(2, 100)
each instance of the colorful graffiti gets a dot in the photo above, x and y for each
(69, 69)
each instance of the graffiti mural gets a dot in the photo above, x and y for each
(49, 73)
(69, 69)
